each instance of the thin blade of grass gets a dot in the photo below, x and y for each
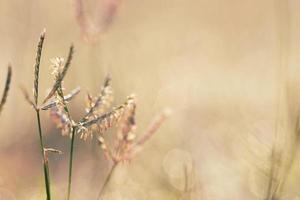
(107, 180)
(27, 98)
(67, 98)
(6, 88)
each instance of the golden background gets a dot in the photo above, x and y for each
(217, 64)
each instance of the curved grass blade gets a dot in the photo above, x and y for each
(67, 98)
(27, 98)
(6, 88)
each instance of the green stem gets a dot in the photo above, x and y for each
(71, 162)
(103, 188)
(45, 162)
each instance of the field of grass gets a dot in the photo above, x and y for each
(140, 100)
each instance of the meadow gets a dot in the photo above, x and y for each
(140, 100)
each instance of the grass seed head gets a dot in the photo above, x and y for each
(37, 67)
(61, 75)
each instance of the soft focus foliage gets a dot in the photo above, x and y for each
(220, 65)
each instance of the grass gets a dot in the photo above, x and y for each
(6, 88)
(127, 144)
(35, 104)
(99, 117)
(37, 110)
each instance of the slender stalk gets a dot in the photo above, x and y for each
(74, 127)
(71, 162)
(103, 188)
(35, 105)
(6, 89)
(45, 161)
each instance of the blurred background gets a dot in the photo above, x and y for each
(216, 64)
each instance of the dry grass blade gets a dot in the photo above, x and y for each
(47, 151)
(67, 98)
(52, 150)
(106, 182)
(6, 88)
(27, 98)
(62, 75)
(37, 67)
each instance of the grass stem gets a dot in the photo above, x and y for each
(110, 173)
(45, 161)
(71, 162)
